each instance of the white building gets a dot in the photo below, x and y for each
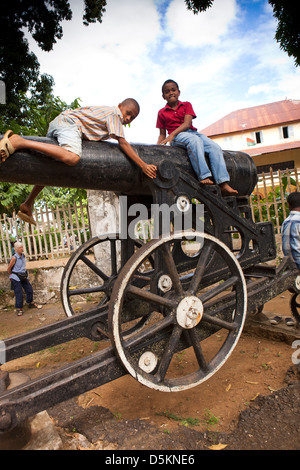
(270, 133)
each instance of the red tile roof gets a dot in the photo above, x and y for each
(257, 117)
(256, 150)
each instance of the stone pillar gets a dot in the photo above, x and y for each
(103, 209)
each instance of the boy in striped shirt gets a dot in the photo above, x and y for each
(94, 123)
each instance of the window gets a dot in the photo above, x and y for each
(258, 137)
(228, 142)
(286, 132)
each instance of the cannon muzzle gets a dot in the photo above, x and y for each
(104, 166)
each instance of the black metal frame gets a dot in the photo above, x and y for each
(263, 283)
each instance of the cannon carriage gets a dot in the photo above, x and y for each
(182, 291)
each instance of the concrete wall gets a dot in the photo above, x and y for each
(44, 276)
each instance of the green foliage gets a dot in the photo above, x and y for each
(198, 5)
(11, 196)
(288, 33)
(37, 108)
(19, 67)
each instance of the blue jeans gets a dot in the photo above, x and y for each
(18, 287)
(196, 145)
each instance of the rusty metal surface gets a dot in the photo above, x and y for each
(104, 166)
(256, 117)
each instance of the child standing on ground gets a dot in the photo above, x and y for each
(176, 118)
(69, 128)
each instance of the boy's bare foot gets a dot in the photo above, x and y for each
(26, 209)
(227, 190)
(206, 181)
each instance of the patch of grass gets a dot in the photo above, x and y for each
(182, 421)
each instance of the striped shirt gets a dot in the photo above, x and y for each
(97, 122)
(290, 232)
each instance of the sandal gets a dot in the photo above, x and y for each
(19, 312)
(33, 305)
(6, 146)
(276, 320)
(26, 218)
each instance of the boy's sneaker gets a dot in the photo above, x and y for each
(276, 320)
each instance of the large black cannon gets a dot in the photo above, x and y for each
(172, 294)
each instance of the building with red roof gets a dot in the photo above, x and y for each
(270, 133)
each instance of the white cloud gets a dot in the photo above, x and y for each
(222, 59)
(101, 61)
(204, 28)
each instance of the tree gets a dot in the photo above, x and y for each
(19, 67)
(288, 30)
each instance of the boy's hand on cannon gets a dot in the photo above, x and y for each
(167, 140)
(150, 170)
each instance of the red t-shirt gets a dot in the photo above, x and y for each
(170, 119)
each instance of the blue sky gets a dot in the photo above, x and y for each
(224, 59)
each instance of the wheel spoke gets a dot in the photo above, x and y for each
(168, 353)
(168, 258)
(199, 271)
(93, 267)
(150, 297)
(148, 332)
(219, 322)
(87, 290)
(197, 348)
(218, 289)
(113, 254)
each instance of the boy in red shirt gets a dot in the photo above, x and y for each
(176, 118)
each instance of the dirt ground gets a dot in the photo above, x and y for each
(252, 402)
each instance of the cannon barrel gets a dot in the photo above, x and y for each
(104, 166)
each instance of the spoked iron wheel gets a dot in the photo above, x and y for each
(193, 328)
(84, 279)
(89, 276)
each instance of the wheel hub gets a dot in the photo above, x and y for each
(189, 312)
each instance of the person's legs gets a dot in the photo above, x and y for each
(217, 164)
(195, 149)
(17, 287)
(26, 208)
(68, 136)
(28, 290)
(68, 151)
(216, 159)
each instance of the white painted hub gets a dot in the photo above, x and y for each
(297, 282)
(148, 361)
(165, 283)
(183, 203)
(189, 312)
